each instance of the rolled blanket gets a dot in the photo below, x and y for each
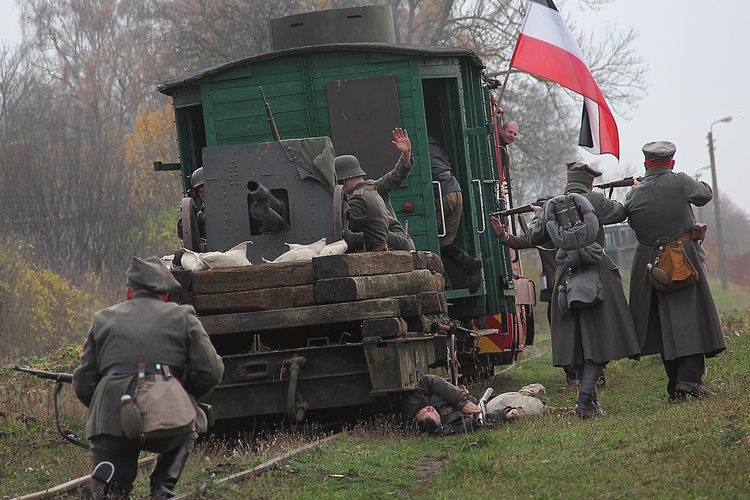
(588, 255)
(576, 236)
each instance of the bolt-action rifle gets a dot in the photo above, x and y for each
(271, 122)
(626, 182)
(60, 379)
(482, 417)
(523, 209)
(66, 378)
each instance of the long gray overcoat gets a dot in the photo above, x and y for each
(600, 333)
(682, 322)
(141, 330)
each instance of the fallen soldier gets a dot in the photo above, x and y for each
(436, 406)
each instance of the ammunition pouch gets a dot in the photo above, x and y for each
(699, 231)
(581, 288)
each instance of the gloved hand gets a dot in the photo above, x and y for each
(470, 409)
(354, 241)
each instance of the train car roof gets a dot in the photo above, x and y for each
(422, 51)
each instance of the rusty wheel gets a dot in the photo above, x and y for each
(340, 212)
(191, 237)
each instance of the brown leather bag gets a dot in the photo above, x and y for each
(672, 269)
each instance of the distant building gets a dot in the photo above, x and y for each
(620, 243)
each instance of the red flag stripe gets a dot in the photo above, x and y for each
(558, 65)
(608, 138)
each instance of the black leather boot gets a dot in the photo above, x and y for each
(167, 471)
(471, 265)
(588, 399)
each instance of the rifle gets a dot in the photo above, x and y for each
(482, 417)
(523, 209)
(60, 379)
(66, 378)
(626, 182)
(271, 122)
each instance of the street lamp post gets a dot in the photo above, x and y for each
(697, 176)
(717, 207)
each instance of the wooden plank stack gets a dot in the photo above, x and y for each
(390, 294)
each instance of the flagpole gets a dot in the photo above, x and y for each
(502, 89)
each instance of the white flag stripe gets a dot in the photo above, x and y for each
(547, 25)
(592, 107)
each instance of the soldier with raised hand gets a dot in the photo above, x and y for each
(682, 326)
(352, 177)
(144, 329)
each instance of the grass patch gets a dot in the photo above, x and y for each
(644, 446)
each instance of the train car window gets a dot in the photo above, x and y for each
(191, 132)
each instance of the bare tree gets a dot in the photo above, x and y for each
(93, 66)
(203, 33)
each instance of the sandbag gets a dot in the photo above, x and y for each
(235, 256)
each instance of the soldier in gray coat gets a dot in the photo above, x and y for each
(590, 337)
(546, 276)
(683, 325)
(143, 329)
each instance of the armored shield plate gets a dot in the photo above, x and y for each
(295, 181)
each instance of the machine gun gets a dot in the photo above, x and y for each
(60, 379)
(626, 182)
(271, 121)
(266, 208)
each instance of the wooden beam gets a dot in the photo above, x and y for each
(237, 279)
(385, 328)
(429, 261)
(351, 288)
(362, 264)
(267, 299)
(432, 303)
(300, 316)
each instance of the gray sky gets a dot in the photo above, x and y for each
(697, 72)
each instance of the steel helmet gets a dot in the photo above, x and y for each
(347, 166)
(197, 178)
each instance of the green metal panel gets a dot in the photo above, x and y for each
(208, 115)
(295, 85)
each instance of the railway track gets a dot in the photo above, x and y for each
(74, 485)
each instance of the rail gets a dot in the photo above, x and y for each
(76, 484)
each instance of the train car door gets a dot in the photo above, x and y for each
(445, 122)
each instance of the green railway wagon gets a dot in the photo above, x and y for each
(347, 94)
